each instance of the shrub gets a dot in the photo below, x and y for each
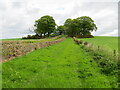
(107, 63)
(84, 36)
(85, 43)
(33, 37)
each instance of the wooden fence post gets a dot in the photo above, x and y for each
(114, 52)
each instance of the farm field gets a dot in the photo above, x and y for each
(10, 39)
(13, 48)
(64, 65)
(34, 40)
(107, 42)
(63, 44)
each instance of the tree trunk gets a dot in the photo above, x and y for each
(48, 34)
(44, 34)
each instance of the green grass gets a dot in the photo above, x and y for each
(64, 65)
(16, 39)
(32, 40)
(11, 39)
(107, 42)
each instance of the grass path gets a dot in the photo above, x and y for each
(64, 65)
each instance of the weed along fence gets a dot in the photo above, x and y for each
(107, 60)
(97, 48)
(11, 49)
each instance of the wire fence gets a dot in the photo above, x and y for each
(97, 48)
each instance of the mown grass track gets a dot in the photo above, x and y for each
(64, 65)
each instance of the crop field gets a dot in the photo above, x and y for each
(63, 65)
(13, 48)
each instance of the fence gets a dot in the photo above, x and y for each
(97, 48)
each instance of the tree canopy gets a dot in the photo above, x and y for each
(80, 26)
(72, 27)
(45, 25)
(86, 25)
(61, 30)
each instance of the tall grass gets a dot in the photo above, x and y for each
(107, 60)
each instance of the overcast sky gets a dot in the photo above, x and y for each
(17, 17)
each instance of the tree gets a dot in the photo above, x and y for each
(67, 26)
(71, 27)
(61, 30)
(86, 25)
(45, 25)
(80, 26)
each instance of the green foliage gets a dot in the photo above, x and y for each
(107, 60)
(84, 36)
(61, 30)
(45, 25)
(86, 25)
(107, 63)
(72, 27)
(69, 27)
(64, 65)
(33, 37)
(80, 26)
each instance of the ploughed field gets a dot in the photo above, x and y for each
(63, 65)
(13, 47)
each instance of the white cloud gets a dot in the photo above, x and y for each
(18, 16)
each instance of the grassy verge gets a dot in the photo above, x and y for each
(108, 63)
(64, 65)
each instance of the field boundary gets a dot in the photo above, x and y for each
(99, 48)
(15, 50)
(108, 62)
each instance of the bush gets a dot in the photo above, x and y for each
(84, 36)
(54, 34)
(108, 64)
(85, 43)
(33, 37)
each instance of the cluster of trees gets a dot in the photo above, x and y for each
(46, 26)
(80, 26)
